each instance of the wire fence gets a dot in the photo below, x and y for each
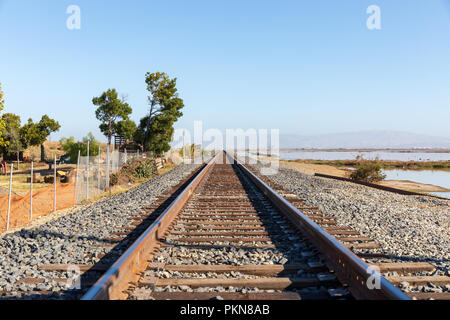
(17, 208)
(63, 187)
(93, 173)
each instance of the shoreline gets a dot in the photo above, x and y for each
(398, 150)
(408, 228)
(401, 150)
(311, 169)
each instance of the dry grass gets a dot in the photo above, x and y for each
(51, 148)
(20, 184)
(166, 168)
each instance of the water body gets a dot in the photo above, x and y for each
(434, 177)
(382, 155)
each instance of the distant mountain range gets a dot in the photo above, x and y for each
(364, 139)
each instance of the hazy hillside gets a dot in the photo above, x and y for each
(364, 139)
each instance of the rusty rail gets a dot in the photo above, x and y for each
(349, 269)
(127, 268)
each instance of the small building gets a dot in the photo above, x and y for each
(122, 144)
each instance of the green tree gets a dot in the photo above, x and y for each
(126, 128)
(29, 134)
(161, 133)
(93, 145)
(2, 123)
(113, 114)
(14, 143)
(11, 135)
(71, 147)
(34, 134)
(165, 109)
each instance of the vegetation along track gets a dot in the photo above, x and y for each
(229, 235)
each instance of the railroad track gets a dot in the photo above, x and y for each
(226, 233)
(229, 235)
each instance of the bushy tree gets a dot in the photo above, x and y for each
(72, 147)
(29, 134)
(34, 134)
(165, 109)
(113, 114)
(161, 133)
(368, 170)
(13, 143)
(126, 128)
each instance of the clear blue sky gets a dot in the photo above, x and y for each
(306, 67)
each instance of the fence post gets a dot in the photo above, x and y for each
(54, 189)
(31, 193)
(76, 177)
(183, 146)
(87, 172)
(118, 160)
(98, 174)
(107, 166)
(9, 197)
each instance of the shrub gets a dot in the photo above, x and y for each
(368, 170)
(114, 179)
(129, 173)
(144, 169)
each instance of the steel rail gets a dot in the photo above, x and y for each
(348, 268)
(135, 259)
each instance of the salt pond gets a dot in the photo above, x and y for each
(351, 155)
(434, 177)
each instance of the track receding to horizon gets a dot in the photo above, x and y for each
(230, 236)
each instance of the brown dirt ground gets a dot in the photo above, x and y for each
(43, 203)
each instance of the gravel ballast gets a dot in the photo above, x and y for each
(76, 238)
(410, 228)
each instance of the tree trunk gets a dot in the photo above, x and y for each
(147, 132)
(42, 153)
(110, 133)
(18, 155)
